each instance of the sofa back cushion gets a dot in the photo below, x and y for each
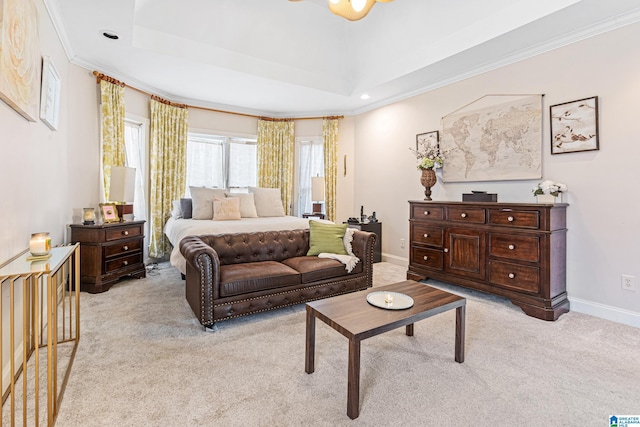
(258, 246)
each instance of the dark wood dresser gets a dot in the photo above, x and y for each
(515, 250)
(109, 252)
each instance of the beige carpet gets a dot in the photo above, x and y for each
(144, 360)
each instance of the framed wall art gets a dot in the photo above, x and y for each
(574, 126)
(50, 94)
(427, 140)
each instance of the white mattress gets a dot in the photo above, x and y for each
(178, 229)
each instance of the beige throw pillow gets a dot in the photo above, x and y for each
(268, 201)
(226, 209)
(202, 199)
(247, 204)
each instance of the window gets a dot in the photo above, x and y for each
(311, 158)
(135, 147)
(221, 162)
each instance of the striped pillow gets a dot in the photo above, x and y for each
(326, 238)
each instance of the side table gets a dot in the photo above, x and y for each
(313, 215)
(109, 252)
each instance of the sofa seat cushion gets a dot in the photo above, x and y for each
(244, 278)
(313, 269)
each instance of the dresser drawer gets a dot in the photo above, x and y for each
(523, 248)
(426, 234)
(122, 248)
(514, 276)
(423, 257)
(513, 218)
(470, 215)
(426, 212)
(118, 263)
(122, 232)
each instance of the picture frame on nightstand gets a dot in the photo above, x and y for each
(109, 213)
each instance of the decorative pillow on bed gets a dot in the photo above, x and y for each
(268, 201)
(326, 238)
(226, 209)
(203, 201)
(247, 204)
(186, 206)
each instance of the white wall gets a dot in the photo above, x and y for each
(604, 235)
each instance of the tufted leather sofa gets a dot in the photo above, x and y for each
(231, 275)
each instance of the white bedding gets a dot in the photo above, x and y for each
(178, 229)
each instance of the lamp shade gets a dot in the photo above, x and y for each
(317, 188)
(123, 184)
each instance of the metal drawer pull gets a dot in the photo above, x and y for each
(125, 248)
(426, 235)
(125, 262)
(510, 218)
(511, 275)
(425, 257)
(126, 233)
(427, 212)
(512, 247)
(463, 215)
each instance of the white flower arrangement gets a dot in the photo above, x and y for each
(428, 157)
(550, 187)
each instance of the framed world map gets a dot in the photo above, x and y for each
(495, 138)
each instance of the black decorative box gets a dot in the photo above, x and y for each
(479, 197)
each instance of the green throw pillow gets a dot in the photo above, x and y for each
(326, 238)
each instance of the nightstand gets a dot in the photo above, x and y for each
(373, 227)
(109, 252)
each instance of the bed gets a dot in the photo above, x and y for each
(178, 229)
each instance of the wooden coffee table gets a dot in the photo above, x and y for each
(356, 319)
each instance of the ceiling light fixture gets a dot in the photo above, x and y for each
(353, 10)
(365, 96)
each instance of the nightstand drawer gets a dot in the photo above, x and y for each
(118, 263)
(123, 232)
(426, 212)
(122, 248)
(523, 248)
(514, 276)
(465, 214)
(426, 234)
(513, 218)
(431, 258)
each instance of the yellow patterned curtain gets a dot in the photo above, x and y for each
(330, 138)
(113, 151)
(168, 162)
(275, 158)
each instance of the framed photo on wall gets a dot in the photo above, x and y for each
(50, 94)
(574, 126)
(425, 141)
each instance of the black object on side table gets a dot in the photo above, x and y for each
(373, 227)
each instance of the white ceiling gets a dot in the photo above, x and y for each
(282, 58)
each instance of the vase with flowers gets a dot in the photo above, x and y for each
(429, 158)
(549, 191)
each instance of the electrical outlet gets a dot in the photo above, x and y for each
(402, 243)
(628, 282)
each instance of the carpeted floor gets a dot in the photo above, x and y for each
(144, 360)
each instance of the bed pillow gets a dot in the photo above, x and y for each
(226, 209)
(176, 211)
(203, 201)
(186, 207)
(326, 238)
(247, 204)
(268, 201)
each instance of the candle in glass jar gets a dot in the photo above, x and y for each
(388, 298)
(88, 216)
(40, 244)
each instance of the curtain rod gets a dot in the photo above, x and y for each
(100, 76)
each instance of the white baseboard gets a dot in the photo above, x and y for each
(607, 312)
(397, 260)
